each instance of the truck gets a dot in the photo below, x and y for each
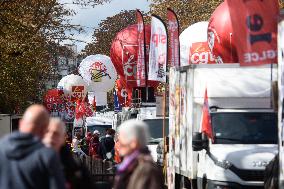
(155, 128)
(243, 123)
(9, 123)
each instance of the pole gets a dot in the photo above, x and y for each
(164, 125)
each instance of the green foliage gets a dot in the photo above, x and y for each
(29, 32)
(108, 28)
(188, 12)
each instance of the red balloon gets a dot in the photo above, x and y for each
(53, 100)
(124, 51)
(220, 35)
(124, 93)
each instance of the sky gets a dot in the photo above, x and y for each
(90, 17)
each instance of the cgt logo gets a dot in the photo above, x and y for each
(200, 54)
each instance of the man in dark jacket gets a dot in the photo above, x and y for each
(137, 169)
(107, 145)
(24, 161)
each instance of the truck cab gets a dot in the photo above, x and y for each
(245, 141)
(243, 121)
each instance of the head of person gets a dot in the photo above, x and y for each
(96, 133)
(132, 136)
(108, 131)
(78, 135)
(55, 135)
(35, 121)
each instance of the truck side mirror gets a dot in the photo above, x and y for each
(199, 141)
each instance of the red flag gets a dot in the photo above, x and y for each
(174, 55)
(80, 109)
(206, 126)
(141, 58)
(89, 111)
(255, 30)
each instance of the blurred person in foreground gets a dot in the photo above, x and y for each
(137, 169)
(76, 176)
(25, 162)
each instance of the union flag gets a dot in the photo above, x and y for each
(206, 126)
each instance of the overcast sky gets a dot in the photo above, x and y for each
(90, 17)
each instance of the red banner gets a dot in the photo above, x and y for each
(141, 60)
(53, 100)
(174, 56)
(255, 26)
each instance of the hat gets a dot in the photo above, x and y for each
(96, 132)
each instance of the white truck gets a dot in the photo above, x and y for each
(155, 127)
(243, 121)
(8, 123)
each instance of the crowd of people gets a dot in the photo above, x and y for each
(96, 146)
(38, 156)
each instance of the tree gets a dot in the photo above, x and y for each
(108, 28)
(29, 33)
(188, 12)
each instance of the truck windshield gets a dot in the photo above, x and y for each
(244, 128)
(156, 128)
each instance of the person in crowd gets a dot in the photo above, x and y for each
(55, 135)
(25, 162)
(107, 145)
(85, 143)
(137, 169)
(75, 174)
(76, 147)
(117, 158)
(95, 145)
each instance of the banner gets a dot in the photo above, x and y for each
(174, 54)
(141, 60)
(117, 106)
(255, 29)
(158, 50)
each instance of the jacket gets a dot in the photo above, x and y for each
(27, 164)
(140, 173)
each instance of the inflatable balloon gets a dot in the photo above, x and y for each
(221, 36)
(193, 45)
(124, 51)
(53, 101)
(73, 86)
(100, 75)
(99, 72)
(124, 93)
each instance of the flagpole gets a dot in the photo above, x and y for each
(145, 56)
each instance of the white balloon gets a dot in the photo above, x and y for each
(99, 73)
(73, 85)
(196, 33)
